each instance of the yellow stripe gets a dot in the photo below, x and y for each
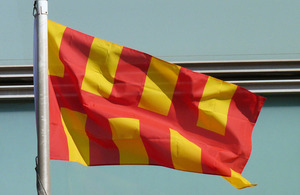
(159, 86)
(101, 67)
(55, 34)
(214, 105)
(238, 181)
(78, 141)
(186, 155)
(126, 135)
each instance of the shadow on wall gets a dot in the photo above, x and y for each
(282, 100)
(16, 105)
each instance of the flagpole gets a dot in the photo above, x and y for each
(42, 97)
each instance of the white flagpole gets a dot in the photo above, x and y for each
(42, 96)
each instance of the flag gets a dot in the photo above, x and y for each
(112, 105)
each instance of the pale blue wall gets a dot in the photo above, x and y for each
(273, 165)
(17, 147)
(172, 30)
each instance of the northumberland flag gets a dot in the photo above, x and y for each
(112, 105)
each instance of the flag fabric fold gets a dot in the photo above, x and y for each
(112, 105)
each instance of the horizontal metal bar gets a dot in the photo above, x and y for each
(247, 70)
(29, 66)
(263, 77)
(242, 66)
(267, 81)
(16, 87)
(6, 97)
(16, 75)
(275, 91)
(241, 61)
(270, 86)
(17, 92)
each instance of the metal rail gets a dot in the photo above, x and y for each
(263, 77)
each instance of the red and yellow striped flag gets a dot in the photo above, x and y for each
(112, 105)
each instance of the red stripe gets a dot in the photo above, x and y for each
(128, 86)
(127, 90)
(130, 77)
(219, 153)
(184, 111)
(58, 139)
(156, 139)
(212, 165)
(103, 150)
(248, 104)
(234, 149)
(186, 98)
(243, 112)
(74, 53)
(65, 92)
